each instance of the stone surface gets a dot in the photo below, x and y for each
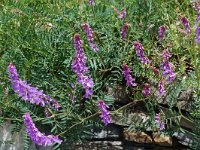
(161, 139)
(9, 141)
(111, 132)
(99, 145)
(136, 136)
(184, 138)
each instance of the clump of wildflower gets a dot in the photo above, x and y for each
(159, 122)
(127, 75)
(91, 2)
(197, 38)
(161, 88)
(186, 24)
(124, 31)
(80, 68)
(161, 32)
(166, 66)
(36, 136)
(27, 92)
(105, 115)
(90, 38)
(146, 90)
(140, 53)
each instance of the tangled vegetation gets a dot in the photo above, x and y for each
(74, 51)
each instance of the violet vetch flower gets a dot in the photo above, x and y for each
(90, 38)
(140, 53)
(161, 88)
(197, 21)
(105, 115)
(127, 75)
(91, 2)
(124, 31)
(159, 122)
(87, 84)
(186, 24)
(79, 67)
(166, 55)
(146, 90)
(79, 62)
(36, 136)
(197, 38)
(196, 6)
(161, 32)
(166, 66)
(27, 92)
(122, 15)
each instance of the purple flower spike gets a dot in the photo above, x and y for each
(105, 115)
(124, 31)
(140, 53)
(122, 14)
(87, 84)
(197, 21)
(159, 122)
(79, 67)
(36, 136)
(166, 66)
(197, 38)
(27, 92)
(79, 62)
(196, 6)
(166, 55)
(13, 72)
(90, 38)
(91, 2)
(161, 32)
(146, 90)
(127, 75)
(161, 88)
(185, 22)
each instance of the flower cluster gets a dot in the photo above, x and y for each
(161, 88)
(159, 122)
(127, 75)
(161, 32)
(124, 31)
(166, 66)
(90, 38)
(122, 15)
(146, 90)
(185, 22)
(196, 6)
(105, 115)
(140, 53)
(197, 38)
(27, 92)
(91, 2)
(36, 136)
(79, 62)
(80, 68)
(87, 84)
